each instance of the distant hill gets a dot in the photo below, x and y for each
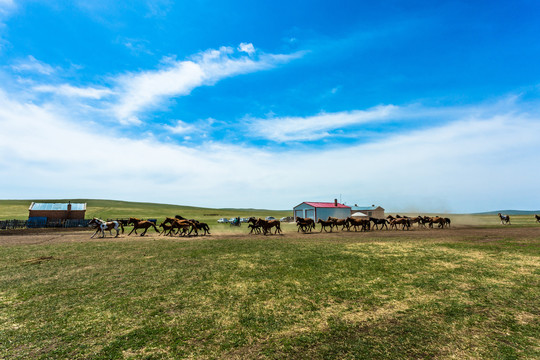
(509, 212)
(114, 209)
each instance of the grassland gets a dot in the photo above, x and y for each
(461, 293)
(469, 292)
(110, 209)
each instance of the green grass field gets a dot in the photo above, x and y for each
(471, 292)
(444, 296)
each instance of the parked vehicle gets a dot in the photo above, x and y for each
(286, 219)
(223, 220)
(270, 218)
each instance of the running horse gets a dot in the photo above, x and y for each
(102, 226)
(377, 222)
(266, 225)
(141, 224)
(505, 219)
(537, 217)
(325, 224)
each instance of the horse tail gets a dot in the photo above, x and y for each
(121, 226)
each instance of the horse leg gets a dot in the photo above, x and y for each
(144, 232)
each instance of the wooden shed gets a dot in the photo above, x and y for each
(57, 211)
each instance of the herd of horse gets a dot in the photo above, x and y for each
(371, 223)
(177, 225)
(181, 226)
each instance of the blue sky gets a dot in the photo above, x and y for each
(411, 105)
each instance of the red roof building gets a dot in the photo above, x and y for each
(321, 210)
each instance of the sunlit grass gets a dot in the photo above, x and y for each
(272, 297)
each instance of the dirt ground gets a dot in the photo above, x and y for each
(456, 233)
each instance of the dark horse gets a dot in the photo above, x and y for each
(537, 217)
(266, 225)
(305, 224)
(505, 219)
(325, 224)
(141, 224)
(376, 222)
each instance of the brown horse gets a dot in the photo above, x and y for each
(141, 224)
(166, 227)
(305, 224)
(417, 220)
(339, 222)
(404, 222)
(266, 225)
(325, 224)
(364, 224)
(102, 226)
(505, 219)
(440, 221)
(182, 227)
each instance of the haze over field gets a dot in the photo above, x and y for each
(430, 107)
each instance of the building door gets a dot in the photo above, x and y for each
(298, 213)
(310, 214)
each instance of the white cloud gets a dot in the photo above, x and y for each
(141, 91)
(470, 164)
(72, 91)
(6, 6)
(247, 48)
(327, 125)
(316, 127)
(180, 128)
(31, 64)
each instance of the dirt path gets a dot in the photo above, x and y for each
(51, 236)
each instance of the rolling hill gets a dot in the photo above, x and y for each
(114, 209)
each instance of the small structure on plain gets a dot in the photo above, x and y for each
(321, 210)
(57, 211)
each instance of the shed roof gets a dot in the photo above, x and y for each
(326, 205)
(358, 214)
(58, 206)
(364, 208)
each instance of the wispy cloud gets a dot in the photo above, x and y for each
(180, 127)
(284, 129)
(136, 46)
(458, 165)
(6, 6)
(149, 89)
(31, 64)
(330, 125)
(72, 91)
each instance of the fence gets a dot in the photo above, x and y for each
(42, 223)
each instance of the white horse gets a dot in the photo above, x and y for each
(102, 225)
(505, 219)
